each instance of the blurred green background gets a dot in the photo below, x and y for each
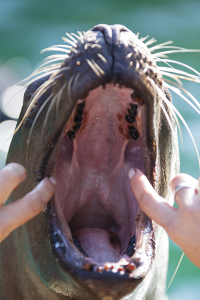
(26, 27)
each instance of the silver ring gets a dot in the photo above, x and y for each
(182, 185)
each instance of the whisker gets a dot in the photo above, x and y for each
(96, 46)
(160, 45)
(179, 72)
(178, 63)
(167, 118)
(170, 124)
(158, 54)
(71, 37)
(69, 88)
(49, 110)
(151, 41)
(76, 36)
(93, 67)
(76, 79)
(98, 68)
(61, 46)
(161, 94)
(58, 56)
(144, 38)
(30, 107)
(37, 116)
(173, 108)
(69, 41)
(25, 85)
(129, 55)
(178, 92)
(81, 36)
(87, 45)
(55, 49)
(59, 97)
(102, 57)
(172, 76)
(165, 47)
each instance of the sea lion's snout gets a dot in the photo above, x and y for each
(111, 33)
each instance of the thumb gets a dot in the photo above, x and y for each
(149, 201)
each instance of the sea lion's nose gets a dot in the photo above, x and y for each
(111, 32)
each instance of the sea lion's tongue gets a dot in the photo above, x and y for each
(101, 245)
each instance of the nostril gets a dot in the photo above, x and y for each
(111, 33)
(106, 30)
(124, 29)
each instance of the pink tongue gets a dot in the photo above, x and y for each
(101, 245)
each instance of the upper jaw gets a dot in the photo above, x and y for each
(60, 235)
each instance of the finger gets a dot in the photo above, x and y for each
(149, 201)
(10, 177)
(197, 190)
(17, 213)
(183, 178)
(185, 196)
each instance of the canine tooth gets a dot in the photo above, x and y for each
(132, 240)
(139, 100)
(130, 250)
(57, 243)
(130, 267)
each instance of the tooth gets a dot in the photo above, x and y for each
(77, 127)
(100, 269)
(88, 266)
(134, 108)
(57, 243)
(133, 132)
(81, 105)
(121, 269)
(130, 250)
(132, 240)
(131, 247)
(71, 135)
(130, 119)
(130, 267)
(78, 118)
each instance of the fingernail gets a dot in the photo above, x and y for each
(53, 180)
(131, 173)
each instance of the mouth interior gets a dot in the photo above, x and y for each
(103, 140)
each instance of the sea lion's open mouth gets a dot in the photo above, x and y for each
(103, 140)
(101, 116)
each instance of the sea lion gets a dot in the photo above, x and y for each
(86, 121)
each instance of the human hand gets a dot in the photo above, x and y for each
(183, 223)
(19, 212)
